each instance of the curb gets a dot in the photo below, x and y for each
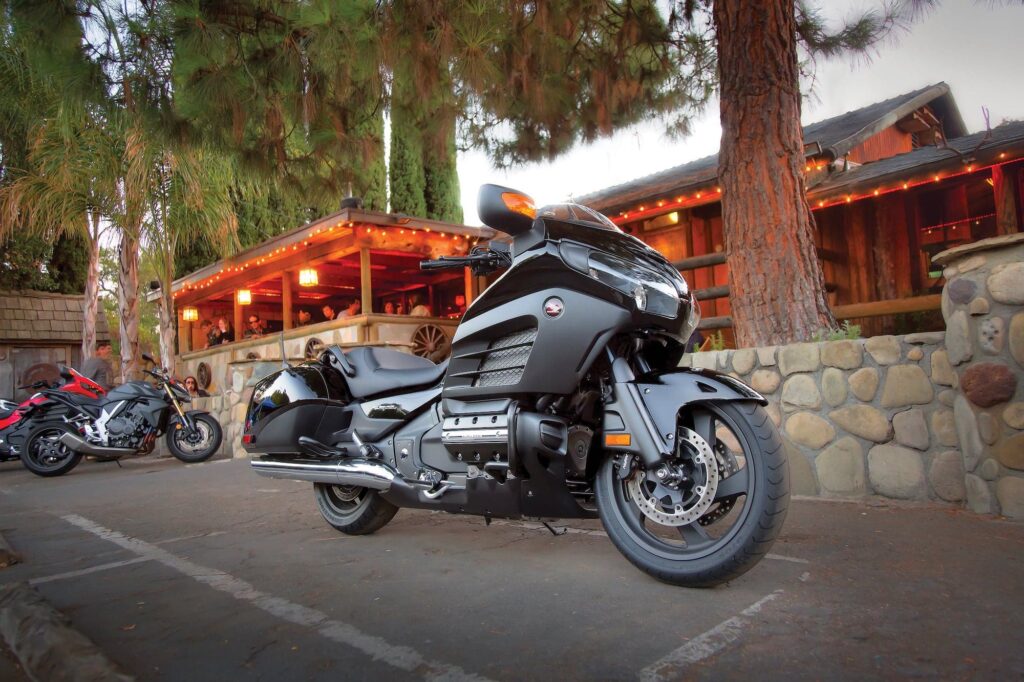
(8, 557)
(44, 642)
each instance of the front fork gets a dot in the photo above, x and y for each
(185, 419)
(642, 416)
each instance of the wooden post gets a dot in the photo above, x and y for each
(184, 336)
(238, 316)
(365, 281)
(1003, 186)
(468, 284)
(286, 299)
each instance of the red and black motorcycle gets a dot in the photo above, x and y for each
(14, 424)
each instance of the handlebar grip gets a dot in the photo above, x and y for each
(441, 264)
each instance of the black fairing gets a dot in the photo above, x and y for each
(507, 343)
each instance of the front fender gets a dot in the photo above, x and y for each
(189, 422)
(647, 407)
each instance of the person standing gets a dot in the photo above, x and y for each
(418, 309)
(97, 367)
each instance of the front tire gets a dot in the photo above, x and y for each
(727, 539)
(353, 510)
(197, 446)
(44, 455)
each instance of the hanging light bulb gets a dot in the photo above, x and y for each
(308, 277)
(190, 313)
(244, 297)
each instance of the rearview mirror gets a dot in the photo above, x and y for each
(505, 209)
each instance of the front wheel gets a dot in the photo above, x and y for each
(353, 510)
(198, 444)
(711, 512)
(44, 454)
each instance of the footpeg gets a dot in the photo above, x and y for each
(367, 450)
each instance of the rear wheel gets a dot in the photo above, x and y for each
(44, 454)
(711, 512)
(353, 510)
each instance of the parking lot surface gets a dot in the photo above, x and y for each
(209, 572)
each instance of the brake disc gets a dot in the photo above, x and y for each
(727, 466)
(671, 506)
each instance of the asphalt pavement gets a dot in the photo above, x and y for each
(210, 572)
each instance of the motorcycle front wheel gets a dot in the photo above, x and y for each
(44, 454)
(196, 445)
(710, 513)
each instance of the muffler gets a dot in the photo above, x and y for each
(356, 472)
(85, 448)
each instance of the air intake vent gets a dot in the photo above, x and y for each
(505, 359)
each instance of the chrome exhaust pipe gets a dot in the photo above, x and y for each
(84, 448)
(363, 473)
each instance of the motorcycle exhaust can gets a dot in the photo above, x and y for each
(355, 472)
(84, 448)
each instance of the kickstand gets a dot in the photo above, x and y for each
(118, 462)
(553, 531)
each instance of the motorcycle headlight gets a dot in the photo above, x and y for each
(653, 292)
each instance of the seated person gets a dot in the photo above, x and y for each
(352, 310)
(193, 388)
(303, 318)
(255, 328)
(210, 333)
(389, 308)
(225, 334)
(328, 312)
(418, 309)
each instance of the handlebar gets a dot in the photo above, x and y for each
(481, 261)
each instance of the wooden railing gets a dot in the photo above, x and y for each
(894, 306)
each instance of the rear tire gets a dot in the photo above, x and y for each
(44, 456)
(709, 561)
(353, 510)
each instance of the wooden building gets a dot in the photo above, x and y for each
(353, 255)
(890, 185)
(38, 331)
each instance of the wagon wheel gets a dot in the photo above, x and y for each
(205, 376)
(313, 348)
(429, 341)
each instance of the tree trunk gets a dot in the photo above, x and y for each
(778, 290)
(128, 304)
(92, 290)
(168, 320)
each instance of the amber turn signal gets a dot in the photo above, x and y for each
(621, 440)
(519, 203)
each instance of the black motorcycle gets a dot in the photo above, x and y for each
(124, 422)
(562, 398)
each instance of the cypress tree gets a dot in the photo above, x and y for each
(408, 181)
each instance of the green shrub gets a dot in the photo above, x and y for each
(843, 332)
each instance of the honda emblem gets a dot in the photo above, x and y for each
(553, 307)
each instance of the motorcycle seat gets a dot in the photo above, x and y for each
(380, 370)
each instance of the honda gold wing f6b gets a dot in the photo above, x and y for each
(562, 398)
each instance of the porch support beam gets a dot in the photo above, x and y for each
(1004, 189)
(365, 281)
(286, 298)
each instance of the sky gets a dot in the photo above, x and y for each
(975, 47)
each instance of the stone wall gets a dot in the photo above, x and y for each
(983, 305)
(937, 416)
(859, 417)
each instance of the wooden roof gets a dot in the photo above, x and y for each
(979, 149)
(40, 318)
(834, 137)
(330, 238)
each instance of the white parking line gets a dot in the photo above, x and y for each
(672, 666)
(401, 657)
(87, 571)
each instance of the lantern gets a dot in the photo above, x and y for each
(244, 297)
(190, 313)
(308, 277)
